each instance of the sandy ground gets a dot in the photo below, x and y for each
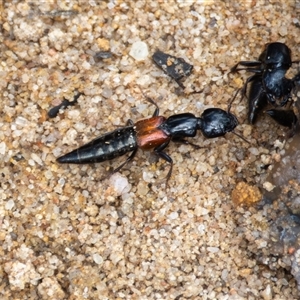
(66, 231)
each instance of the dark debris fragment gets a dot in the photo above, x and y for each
(18, 157)
(102, 55)
(60, 13)
(175, 67)
(53, 112)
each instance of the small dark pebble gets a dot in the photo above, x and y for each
(102, 55)
(18, 157)
(53, 112)
(61, 13)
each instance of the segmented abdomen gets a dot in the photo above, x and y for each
(109, 146)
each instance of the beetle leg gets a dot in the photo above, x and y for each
(129, 158)
(129, 122)
(240, 136)
(244, 89)
(183, 141)
(159, 151)
(247, 64)
(285, 118)
(231, 101)
(286, 99)
(257, 100)
(156, 112)
(167, 158)
(253, 70)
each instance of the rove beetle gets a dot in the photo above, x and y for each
(269, 84)
(152, 134)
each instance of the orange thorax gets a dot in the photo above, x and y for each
(149, 136)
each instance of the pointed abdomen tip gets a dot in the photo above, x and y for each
(61, 160)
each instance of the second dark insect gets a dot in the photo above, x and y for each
(268, 84)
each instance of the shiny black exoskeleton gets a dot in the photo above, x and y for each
(288, 118)
(285, 118)
(268, 84)
(214, 122)
(154, 134)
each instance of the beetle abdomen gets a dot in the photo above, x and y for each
(106, 147)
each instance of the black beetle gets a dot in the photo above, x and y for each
(268, 84)
(152, 134)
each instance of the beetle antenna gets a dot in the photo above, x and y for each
(231, 101)
(240, 136)
(228, 110)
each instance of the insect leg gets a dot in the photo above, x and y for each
(183, 141)
(129, 122)
(244, 89)
(129, 158)
(247, 64)
(156, 112)
(230, 103)
(159, 151)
